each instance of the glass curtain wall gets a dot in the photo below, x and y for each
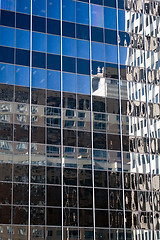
(79, 119)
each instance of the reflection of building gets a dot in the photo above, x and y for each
(80, 120)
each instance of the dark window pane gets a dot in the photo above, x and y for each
(110, 3)
(53, 62)
(7, 18)
(97, 34)
(83, 66)
(70, 196)
(20, 173)
(38, 174)
(7, 55)
(83, 102)
(38, 135)
(37, 195)
(101, 198)
(85, 218)
(113, 142)
(53, 175)
(22, 57)
(85, 177)
(5, 190)
(99, 140)
(115, 180)
(23, 21)
(53, 26)
(68, 29)
(112, 105)
(82, 32)
(6, 92)
(54, 216)
(20, 194)
(6, 131)
(38, 96)
(5, 215)
(70, 217)
(70, 176)
(5, 172)
(53, 98)
(53, 196)
(69, 100)
(21, 133)
(85, 198)
(98, 103)
(53, 136)
(100, 2)
(100, 179)
(39, 24)
(101, 218)
(21, 94)
(69, 138)
(84, 139)
(39, 59)
(110, 36)
(69, 64)
(37, 216)
(20, 215)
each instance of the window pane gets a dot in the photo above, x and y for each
(22, 76)
(53, 44)
(69, 82)
(83, 84)
(110, 18)
(39, 7)
(23, 6)
(53, 9)
(38, 78)
(82, 13)
(39, 41)
(7, 36)
(6, 73)
(68, 47)
(68, 8)
(83, 49)
(22, 39)
(96, 16)
(53, 80)
(8, 4)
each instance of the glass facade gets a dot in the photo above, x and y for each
(80, 119)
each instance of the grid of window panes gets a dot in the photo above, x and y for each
(91, 90)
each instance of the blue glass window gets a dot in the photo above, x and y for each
(121, 20)
(23, 21)
(23, 6)
(111, 36)
(22, 76)
(97, 51)
(53, 62)
(39, 41)
(54, 80)
(22, 57)
(82, 32)
(110, 20)
(6, 73)
(39, 7)
(7, 36)
(83, 66)
(7, 54)
(97, 34)
(53, 26)
(69, 82)
(96, 16)
(83, 49)
(39, 59)
(8, 4)
(82, 13)
(53, 9)
(69, 64)
(22, 39)
(39, 24)
(83, 84)
(53, 44)
(111, 53)
(68, 29)
(123, 52)
(68, 47)
(7, 18)
(38, 78)
(68, 10)
(96, 65)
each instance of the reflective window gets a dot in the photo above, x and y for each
(111, 53)
(97, 51)
(22, 39)
(23, 6)
(53, 44)
(97, 16)
(122, 20)
(38, 78)
(53, 9)
(68, 47)
(83, 49)
(82, 13)
(7, 36)
(39, 7)
(69, 82)
(53, 80)
(82, 32)
(39, 41)
(22, 76)
(6, 73)
(68, 10)
(110, 18)
(8, 4)
(83, 84)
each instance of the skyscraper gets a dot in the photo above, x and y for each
(80, 120)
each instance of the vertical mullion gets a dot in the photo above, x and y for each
(120, 117)
(92, 158)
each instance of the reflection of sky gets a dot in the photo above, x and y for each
(6, 73)
(38, 78)
(22, 76)
(96, 16)
(123, 55)
(53, 80)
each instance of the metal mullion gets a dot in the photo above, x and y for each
(30, 113)
(148, 124)
(61, 124)
(91, 115)
(120, 117)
